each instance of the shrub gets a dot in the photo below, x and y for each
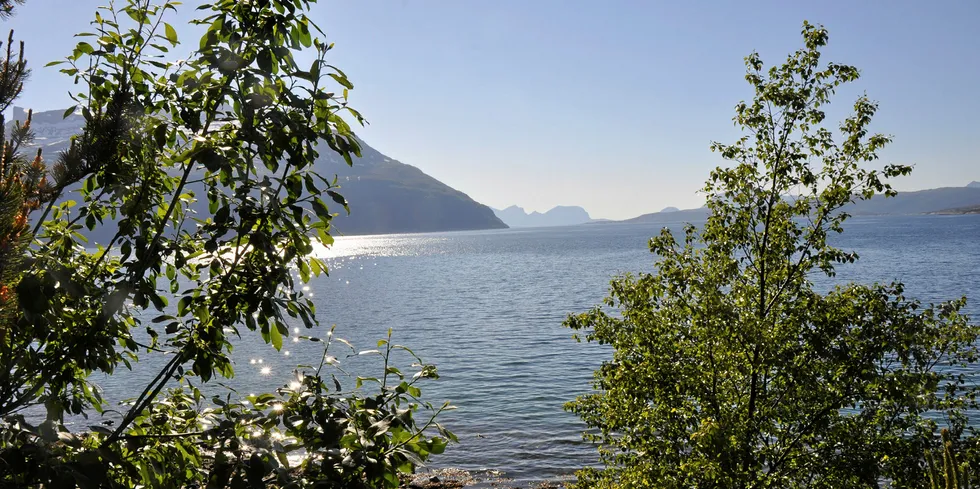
(729, 368)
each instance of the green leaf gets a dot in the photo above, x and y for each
(304, 271)
(266, 61)
(338, 199)
(325, 238)
(159, 302)
(84, 48)
(342, 80)
(223, 214)
(310, 185)
(171, 33)
(304, 35)
(321, 209)
(438, 445)
(160, 135)
(276, 337)
(294, 185)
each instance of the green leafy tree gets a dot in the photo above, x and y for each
(729, 368)
(201, 172)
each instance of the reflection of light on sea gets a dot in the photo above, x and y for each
(351, 247)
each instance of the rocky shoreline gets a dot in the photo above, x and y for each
(457, 478)
(958, 211)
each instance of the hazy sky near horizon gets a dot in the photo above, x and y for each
(611, 104)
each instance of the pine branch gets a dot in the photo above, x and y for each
(7, 7)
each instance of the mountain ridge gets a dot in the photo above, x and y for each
(385, 195)
(942, 200)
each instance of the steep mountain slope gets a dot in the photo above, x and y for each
(388, 196)
(385, 195)
(562, 215)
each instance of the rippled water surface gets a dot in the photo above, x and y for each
(487, 308)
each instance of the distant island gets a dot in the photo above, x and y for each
(672, 214)
(385, 195)
(561, 215)
(937, 201)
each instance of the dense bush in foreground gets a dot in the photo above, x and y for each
(729, 369)
(201, 170)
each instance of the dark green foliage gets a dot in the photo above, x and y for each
(237, 128)
(310, 433)
(952, 474)
(729, 369)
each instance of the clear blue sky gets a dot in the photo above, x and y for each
(610, 105)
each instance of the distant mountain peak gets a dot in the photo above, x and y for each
(670, 209)
(973, 184)
(562, 215)
(52, 130)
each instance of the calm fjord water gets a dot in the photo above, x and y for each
(487, 308)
